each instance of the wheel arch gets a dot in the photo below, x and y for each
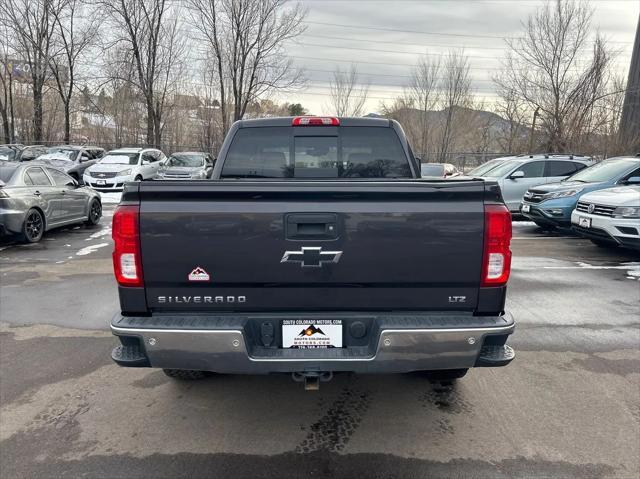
(40, 210)
(91, 198)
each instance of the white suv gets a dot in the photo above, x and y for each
(610, 217)
(120, 166)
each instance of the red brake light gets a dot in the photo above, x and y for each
(496, 261)
(315, 121)
(127, 265)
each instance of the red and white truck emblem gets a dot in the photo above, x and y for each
(199, 274)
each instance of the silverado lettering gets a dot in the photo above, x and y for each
(202, 299)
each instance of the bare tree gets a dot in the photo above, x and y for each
(347, 96)
(150, 31)
(424, 94)
(457, 97)
(511, 107)
(544, 67)
(210, 117)
(71, 40)
(605, 138)
(6, 83)
(246, 39)
(32, 24)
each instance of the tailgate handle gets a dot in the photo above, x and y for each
(308, 226)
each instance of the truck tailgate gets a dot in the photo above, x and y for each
(324, 245)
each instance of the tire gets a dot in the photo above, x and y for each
(445, 376)
(603, 244)
(33, 226)
(139, 178)
(95, 212)
(186, 374)
(545, 227)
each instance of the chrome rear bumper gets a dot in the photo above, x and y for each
(394, 350)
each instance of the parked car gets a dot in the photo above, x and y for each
(287, 262)
(17, 152)
(8, 152)
(438, 170)
(36, 198)
(120, 166)
(186, 166)
(95, 151)
(480, 170)
(551, 205)
(610, 217)
(73, 160)
(517, 175)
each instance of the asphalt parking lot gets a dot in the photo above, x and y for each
(568, 406)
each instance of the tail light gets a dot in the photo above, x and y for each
(496, 261)
(127, 264)
(315, 121)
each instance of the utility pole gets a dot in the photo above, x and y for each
(533, 129)
(630, 120)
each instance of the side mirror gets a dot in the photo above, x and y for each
(84, 158)
(517, 174)
(634, 180)
(146, 162)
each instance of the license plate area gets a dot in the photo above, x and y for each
(526, 208)
(101, 182)
(584, 222)
(311, 334)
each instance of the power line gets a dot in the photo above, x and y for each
(383, 29)
(357, 62)
(444, 45)
(341, 47)
(377, 50)
(380, 74)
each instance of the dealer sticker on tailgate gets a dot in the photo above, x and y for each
(305, 334)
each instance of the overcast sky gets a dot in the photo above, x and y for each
(384, 38)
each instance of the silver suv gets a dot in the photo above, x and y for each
(519, 173)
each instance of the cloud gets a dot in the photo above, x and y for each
(383, 39)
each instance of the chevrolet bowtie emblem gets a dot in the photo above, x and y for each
(311, 257)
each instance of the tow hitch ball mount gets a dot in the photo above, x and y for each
(312, 379)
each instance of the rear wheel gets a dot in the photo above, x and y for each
(186, 374)
(95, 212)
(33, 227)
(545, 227)
(445, 376)
(604, 244)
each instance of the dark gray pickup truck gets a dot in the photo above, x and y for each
(314, 249)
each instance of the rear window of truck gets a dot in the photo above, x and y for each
(355, 152)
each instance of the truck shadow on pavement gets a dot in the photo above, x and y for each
(97, 420)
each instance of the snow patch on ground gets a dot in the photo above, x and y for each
(110, 198)
(99, 234)
(632, 268)
(91, 249)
